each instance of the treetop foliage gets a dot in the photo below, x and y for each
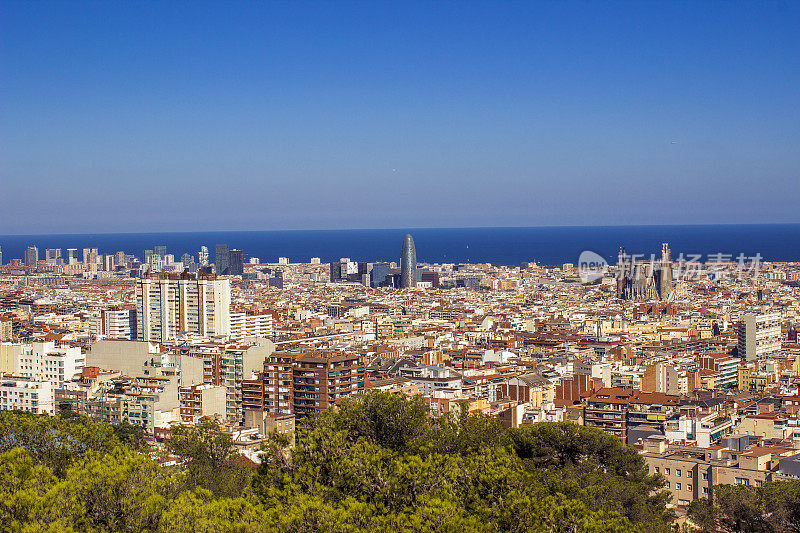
(382, 462)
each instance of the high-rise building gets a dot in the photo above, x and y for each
(408, 263)
(221, 260)
(251, 324)
(52, 256)
(31, 256)
(759, 336)
(109, 262)
(380, 271)
(147, 255)
(202, 256)
(432, 278)
(160, 250)
(1, 256)
(72, 256)
(184, 303)
(336, 272)
(235, 262)
(90, 259)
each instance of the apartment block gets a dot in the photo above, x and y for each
(692, 472)
(251, 324)
(617, 410)
(44, 361)
(759, 336)
(320, 379)
(176, 304)
(724, 367)
(26, 394)
(272, 391)
(201, 401)
(118, 323)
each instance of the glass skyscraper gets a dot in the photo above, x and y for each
(408, 263)
(221, 260)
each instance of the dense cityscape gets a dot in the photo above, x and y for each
(695, 365)
(414, 267)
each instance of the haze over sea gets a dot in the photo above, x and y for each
(508, 246)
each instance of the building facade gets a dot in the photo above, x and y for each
(408, 263)
(320, 379)
(185, 303)
(26, 394)
(221, 259)
(759, 336)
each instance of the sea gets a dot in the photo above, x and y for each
(546, 245)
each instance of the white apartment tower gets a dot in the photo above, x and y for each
(759, 336)
(175, 304)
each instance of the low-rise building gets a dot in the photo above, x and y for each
(26, 394)
(201, 401)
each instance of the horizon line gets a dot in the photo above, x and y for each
(403, 229)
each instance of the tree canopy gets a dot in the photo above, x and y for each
(382, 462)
(774, 506)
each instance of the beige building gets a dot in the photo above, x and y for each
(768, 426)
(266, 423)
(175, 304)
(9, 357)
(201, 401)
(691, 471)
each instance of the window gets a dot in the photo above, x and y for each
(666, 471)
(678, 473)
(742, 481)
(688, 487)
(705, 490)
(705, 476)
(667, 484)
(657, 470)
(758, 483)
(677, 486)
(689, 473)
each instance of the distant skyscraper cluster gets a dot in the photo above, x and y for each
(90, 263)
(382, 274)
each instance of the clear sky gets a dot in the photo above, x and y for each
(181, 116)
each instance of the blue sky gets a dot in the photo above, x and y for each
(181, 116)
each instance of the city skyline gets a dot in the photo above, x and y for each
(391, 266)
(353, 116)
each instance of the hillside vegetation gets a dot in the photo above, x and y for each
(381, 463)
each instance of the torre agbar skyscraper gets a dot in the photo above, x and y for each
(408, 263)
